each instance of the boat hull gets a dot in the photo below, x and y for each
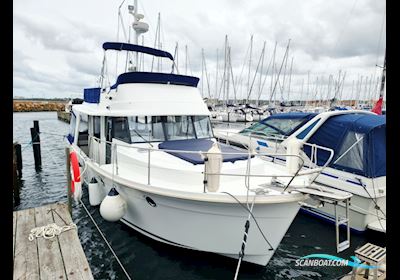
(206, 226)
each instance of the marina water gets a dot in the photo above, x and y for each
(145, 258)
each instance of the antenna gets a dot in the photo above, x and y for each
(139, 27)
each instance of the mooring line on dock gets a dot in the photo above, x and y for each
(105, 240)
(97, 227)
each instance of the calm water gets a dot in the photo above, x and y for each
(144, 258)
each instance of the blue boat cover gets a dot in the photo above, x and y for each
(156, 78)
(367, 158)
(136, 48)
(202, 145)
(91, 95)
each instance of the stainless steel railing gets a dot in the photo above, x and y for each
(96, 152)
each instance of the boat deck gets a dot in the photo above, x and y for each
(61, 257)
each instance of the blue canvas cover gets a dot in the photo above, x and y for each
(367, 157)
(156, 78)
(202, 145)
(118, 46)
(91, 95)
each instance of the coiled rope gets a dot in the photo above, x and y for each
(49, 231)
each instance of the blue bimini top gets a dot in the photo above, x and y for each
(200, 145)
(118, 46)
(156, 78)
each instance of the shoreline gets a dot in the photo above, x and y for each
(38, 105)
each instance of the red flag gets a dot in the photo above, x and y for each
(378, 106)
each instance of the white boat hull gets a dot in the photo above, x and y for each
(206, 226)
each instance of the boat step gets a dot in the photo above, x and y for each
(343, 221)
(325, 192)
(343, 245)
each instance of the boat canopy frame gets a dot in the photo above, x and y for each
(119, 46)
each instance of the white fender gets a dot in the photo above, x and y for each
(213, 165)
(113, 207)
(78, 191)
(96, 193)
(293, 147)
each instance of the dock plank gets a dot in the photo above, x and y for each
(50, 260)
(75, 262)
(26, 265)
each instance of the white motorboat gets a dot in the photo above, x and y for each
(148, 140)
(358, 138)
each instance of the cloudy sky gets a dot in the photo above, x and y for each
(57, 44)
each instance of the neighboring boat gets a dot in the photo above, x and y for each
(148, 140)
(358, 139)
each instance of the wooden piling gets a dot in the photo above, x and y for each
(15, 178)
(18, 155)
(36, 145)
(69, 192)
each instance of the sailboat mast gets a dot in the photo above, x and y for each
(382, 91)
(248, 76)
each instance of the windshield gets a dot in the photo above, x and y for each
(273, 127)
(165, 128)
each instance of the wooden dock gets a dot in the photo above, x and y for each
(61, 257)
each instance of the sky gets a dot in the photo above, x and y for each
(58, 52)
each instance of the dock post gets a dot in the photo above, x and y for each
(68, 163)
(15, 178)
(36, 145)
(18, 155)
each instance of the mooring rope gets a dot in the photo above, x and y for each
(49, 231)
(92, 219)
(244, 241)
(105, 240)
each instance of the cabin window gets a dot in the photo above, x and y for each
(96, 126)
(146, 129)
(179, 128)
(284, 126)
(83, 137)
(141, 129)
(273, 127)
(203, 127)
(352, 151)
(118, 128)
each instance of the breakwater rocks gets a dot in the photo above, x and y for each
(38, 105)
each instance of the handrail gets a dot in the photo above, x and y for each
(270, 137)
(249, 153)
